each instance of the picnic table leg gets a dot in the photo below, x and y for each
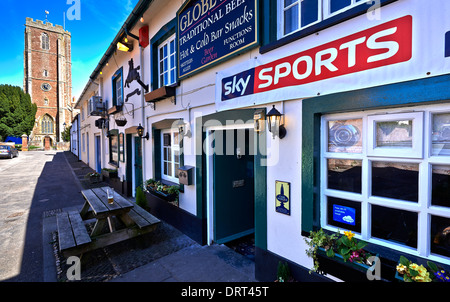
(126, 219)
(84, 210)
(112, 228)
(98, 227)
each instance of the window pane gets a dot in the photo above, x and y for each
(176, 170)
(309, 11)
(165, 154)
(395, 180)
(345, 136)
(172, 61)
(289, 2)
(394, 134)
(440, 184)
(165, 51)
(165, 168)
(172, 76)
(169, 169)
(336, 5)
(176, 155)
(343, 213)
(291, 19)
(440, 235)
(172, 46)
(345, 175)
(394, 225)
(166, 64)
(441, 134)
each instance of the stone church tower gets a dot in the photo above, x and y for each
(48, 80)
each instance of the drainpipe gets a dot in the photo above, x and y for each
(141, 58)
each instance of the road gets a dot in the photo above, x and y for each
(31, 185)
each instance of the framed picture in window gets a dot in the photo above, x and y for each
(121, 147)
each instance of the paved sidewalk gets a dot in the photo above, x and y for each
(166, 255)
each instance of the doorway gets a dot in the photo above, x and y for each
(137, 162)
(98, 154)
(47, 143)
(231, 184)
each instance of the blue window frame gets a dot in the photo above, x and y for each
(285, 21)
(117, 86)
(297, 14)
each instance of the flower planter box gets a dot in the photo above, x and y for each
(337, 257)
(110, 174)
(162, 195)
(95, 179)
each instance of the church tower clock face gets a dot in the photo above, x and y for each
(46, 87)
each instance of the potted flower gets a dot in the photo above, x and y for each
(110, 173)
(93, 177)
(345, 249)
(408, 271)
(319, 240)
(167, 192)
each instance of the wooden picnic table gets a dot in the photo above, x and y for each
(97, 200)
(74, 238)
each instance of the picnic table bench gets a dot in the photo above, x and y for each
(122, 220)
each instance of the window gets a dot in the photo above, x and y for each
(45, 73)
(117, 85)
(170, 154)
(167, 62)
(45, 102)
(45, 41)
(47, 125)
(298, 14)
(114, 147)
(386, 177)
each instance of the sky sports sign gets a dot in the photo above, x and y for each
(382, 45)
(212, 30)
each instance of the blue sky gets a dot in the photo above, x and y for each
(100, 21)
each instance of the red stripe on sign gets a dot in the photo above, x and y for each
(382, 45)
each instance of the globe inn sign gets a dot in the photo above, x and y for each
(210, 31)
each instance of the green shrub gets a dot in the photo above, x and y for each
(141, 200)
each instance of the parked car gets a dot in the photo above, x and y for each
(7, 151)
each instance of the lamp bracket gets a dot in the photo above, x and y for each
(128, 112)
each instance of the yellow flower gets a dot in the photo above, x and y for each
(349, 235)
(414, 266)
(401, 268)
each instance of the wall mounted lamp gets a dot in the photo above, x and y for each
(182, 128)
(124, 46)
(140, 132)
(274, 123)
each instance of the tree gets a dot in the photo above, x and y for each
(17, 112)
(66, 134)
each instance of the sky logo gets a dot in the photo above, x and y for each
(238, 85)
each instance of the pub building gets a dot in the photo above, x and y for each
(279, 118)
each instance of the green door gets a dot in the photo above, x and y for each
(234, 193)
(138, 162)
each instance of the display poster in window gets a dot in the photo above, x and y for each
(212, 30)
(121, 147)
(344, 214)
(283, 197)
